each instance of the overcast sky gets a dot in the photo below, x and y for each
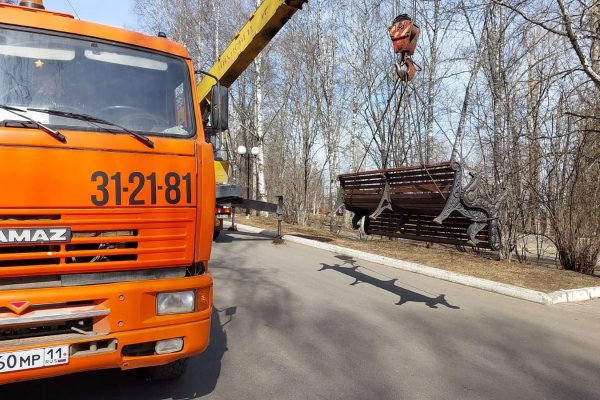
(107, 12)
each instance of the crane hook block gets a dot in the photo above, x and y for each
(404, 35)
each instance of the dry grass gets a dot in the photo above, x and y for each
(481, 265)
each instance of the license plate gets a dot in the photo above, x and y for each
(34, 358)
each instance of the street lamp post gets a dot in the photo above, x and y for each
(243, 153)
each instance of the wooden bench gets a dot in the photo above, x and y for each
(426, 203)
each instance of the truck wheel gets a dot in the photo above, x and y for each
(165, 372)
(216, 233)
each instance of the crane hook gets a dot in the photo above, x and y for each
(404, 35)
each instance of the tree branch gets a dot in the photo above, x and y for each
(575, 43)
(529, 19)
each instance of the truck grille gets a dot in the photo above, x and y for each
(49, 329)
(99, 246)
(22, 251)
(107, 240)
(26, 217)
(103, 251)
(49, 321)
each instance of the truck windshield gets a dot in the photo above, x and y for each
(143, 91)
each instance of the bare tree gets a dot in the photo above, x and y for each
(559, 182)
(576, 21)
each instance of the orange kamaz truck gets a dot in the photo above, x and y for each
(107, 200)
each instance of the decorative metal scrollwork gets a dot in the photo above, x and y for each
(385, 203)
(471, 203)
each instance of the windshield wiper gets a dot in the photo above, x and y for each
(17, 111)
(95, 120)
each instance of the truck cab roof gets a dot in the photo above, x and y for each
(66, 23)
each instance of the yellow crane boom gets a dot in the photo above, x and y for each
(263, 25)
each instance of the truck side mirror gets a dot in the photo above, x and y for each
(219, 108)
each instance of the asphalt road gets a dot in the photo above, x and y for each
(293, 322)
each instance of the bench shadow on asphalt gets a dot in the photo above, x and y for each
(406, 296)
(199, 380)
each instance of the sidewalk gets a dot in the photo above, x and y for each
(560, 296)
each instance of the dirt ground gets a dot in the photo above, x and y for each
(482, 264)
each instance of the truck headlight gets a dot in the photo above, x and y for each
(168, 346)
(175, 302)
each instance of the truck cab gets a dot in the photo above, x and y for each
(107, 202)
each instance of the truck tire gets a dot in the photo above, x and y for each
(216, 233)
(169, 371)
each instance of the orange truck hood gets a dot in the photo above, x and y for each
(122, 202)
(37, 171)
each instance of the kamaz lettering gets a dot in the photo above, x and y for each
(35, 235)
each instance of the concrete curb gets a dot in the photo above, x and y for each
(561, 296)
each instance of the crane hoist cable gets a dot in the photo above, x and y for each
(387, 106)
(404, 35)
(390, 143)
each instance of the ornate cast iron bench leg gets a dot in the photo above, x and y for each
(356, 220)
(471, 205)
(385, 203)
(453, 202)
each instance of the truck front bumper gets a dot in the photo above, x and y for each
(195, 338)
(124, 335)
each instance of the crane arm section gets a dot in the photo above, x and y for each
(262, 26)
